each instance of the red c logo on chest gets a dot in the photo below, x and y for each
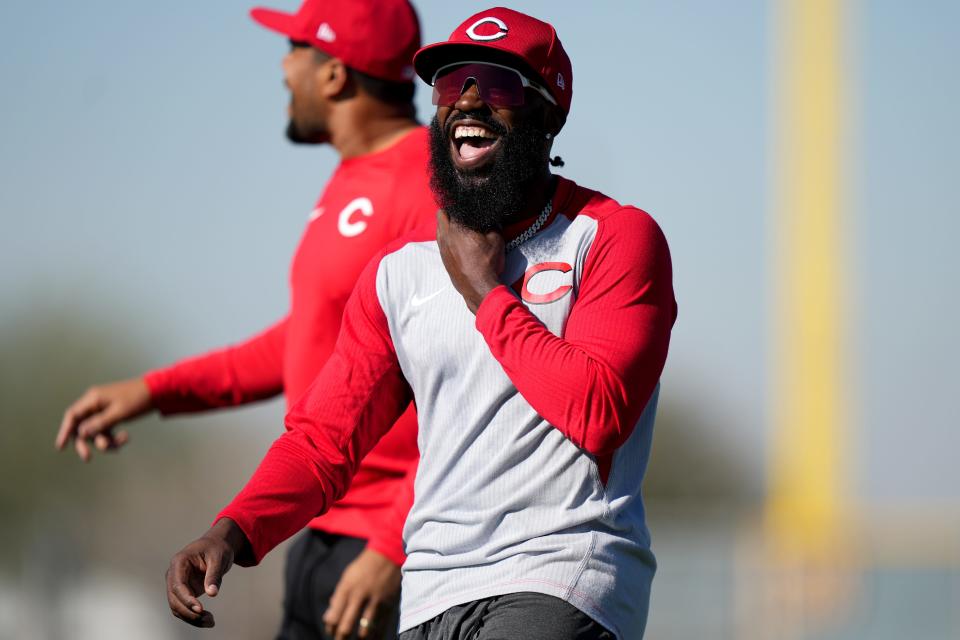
(523, 286)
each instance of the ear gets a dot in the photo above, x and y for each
(335, 77)
(553, 119)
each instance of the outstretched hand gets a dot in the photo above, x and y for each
(367, 593)
(474, 260)
(198, 569)
(94, 415)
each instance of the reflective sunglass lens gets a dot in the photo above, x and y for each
(497, 86)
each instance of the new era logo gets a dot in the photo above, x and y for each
(561, 82)
(326, 33)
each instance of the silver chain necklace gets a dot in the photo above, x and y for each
(532, 229)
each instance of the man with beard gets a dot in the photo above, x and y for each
(350, 76)
(535, 375)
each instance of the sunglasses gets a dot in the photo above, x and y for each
(498, 86)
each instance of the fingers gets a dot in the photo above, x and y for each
(82, 448)
(102, 441)
(89, 422)
(198, 569)
(65, 431)
(110, 441)
(343, 614)
(182, 602)
(214, 576)
(75, 413)
(333, 614)
(363, 594)
(99, 410)
(87, 419)
(349, 618)
(369, 623)
(99, 422)
(181, 598)
(204, 619)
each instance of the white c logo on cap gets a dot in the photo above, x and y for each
(502, 33)
(350, 229)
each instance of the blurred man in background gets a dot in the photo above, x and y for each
(531, 325)
(350, 77)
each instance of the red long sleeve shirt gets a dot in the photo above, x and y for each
(368, 202)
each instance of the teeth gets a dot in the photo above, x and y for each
(464, 131)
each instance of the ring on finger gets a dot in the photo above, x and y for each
(364, 623)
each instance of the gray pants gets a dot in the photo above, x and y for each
(516, 616)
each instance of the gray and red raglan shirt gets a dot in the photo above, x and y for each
(535, 416)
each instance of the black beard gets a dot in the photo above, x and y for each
(297, 136)
(484, 198)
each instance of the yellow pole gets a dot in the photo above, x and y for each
(806, 485)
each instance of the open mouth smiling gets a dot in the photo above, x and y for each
(472, 143)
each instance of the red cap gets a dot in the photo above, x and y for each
(376, 37)
(505, 36)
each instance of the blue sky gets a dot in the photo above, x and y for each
(147, 184)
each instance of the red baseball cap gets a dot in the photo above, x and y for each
(507, 37)
(376, 37)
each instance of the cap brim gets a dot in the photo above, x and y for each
(434, 56)
(283, 23)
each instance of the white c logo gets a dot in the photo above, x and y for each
(501, 25)
(350, 229)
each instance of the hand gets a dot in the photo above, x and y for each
(199, 568)
(98, 411)
(474, 260)
(368, 590)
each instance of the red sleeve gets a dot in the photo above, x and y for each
(357, 397)
(594, 382)
(389, 539)
(245, 372)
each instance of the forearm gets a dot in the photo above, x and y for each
(357, 397)
(593, 392)
(293, 484)
(242, 373)
(310, 466)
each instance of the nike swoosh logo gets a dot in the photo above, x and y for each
(416, 300)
